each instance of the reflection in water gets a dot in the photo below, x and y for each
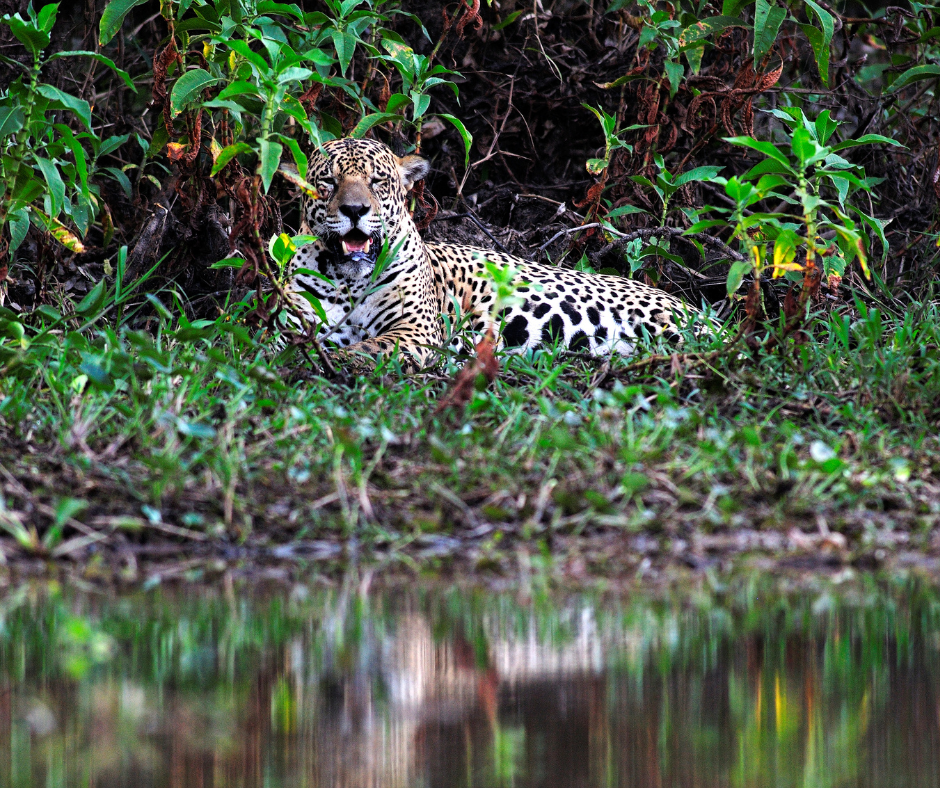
(451, 690)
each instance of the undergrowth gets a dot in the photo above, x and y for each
(203, 432)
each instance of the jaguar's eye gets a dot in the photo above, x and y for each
(328, 183)
(376, 180)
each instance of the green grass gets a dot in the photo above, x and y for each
(198, 432)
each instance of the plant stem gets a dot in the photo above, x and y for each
(22, 136)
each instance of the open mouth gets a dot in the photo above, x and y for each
(356, 249)
(355, 242)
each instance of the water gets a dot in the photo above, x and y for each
(819, 686)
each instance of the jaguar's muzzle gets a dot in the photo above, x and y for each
(356, 251)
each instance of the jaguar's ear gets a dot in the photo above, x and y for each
(412, 169)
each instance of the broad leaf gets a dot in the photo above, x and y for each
(698, 174)
(866, 140)
(228, 153)
(188, 87)
(113, 18)
(674, 71)
(238, 88)
(369, 121)
(79, 106)
(706, 27)
(55, 183)
(19, 225)
(300, 158)
(820, 45)
(465, 135)
(625, 210)
(739, 269)
(270, 158)
(767, 148)
(93, 301)
(242, 48)
(11, 120)
(101, 59)
(767, 20)
(32, 38)
(914, 74)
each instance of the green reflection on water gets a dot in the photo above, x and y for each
(751, 685)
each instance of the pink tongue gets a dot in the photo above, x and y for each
(356, 246)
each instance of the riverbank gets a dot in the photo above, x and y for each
(196, 449)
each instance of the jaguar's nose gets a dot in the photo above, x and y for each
(355, 211)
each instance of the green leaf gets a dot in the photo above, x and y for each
(316, 305)
(101, 59)
(242, 48)
(372, 120)
(620, 81)
(842, 187)
(78, 153)
(694, 56)
(508, 20)
(706, 27)
(122, 179)
(345, 45)
(160, 139)
(465, 135)
(878, 227)
(674, 71)
(227, 154)
(739, 269)
(825, 126)
(34, 39)
(67, 508)
(817, 40)
(767, 148)
(421, 102)
(239, 88)
(803, 146)
(764, 167)
(596, 166)
(915, 74)
(229, 262)
(767, 21)
(11, 121)
(293, 74)
(113, 18)
(785, 245)
(79, 106)
(284, 9)
(91, 304)
(112, 144)
(867, 139)
(19, 226)
(705, 224)
(624, 210)
(300, 158)
(270, 158)
(55, 183)
(734, 7)
(827, 27)
(46, 17)
(698, 174)
(655, 250)
(188, 87)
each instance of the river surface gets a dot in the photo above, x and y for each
(813, 685)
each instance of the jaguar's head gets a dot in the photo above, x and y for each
(361, 199)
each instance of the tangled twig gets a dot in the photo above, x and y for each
(649, 232)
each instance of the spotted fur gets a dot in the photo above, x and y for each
(362, 191)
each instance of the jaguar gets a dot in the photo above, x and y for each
(359, 216)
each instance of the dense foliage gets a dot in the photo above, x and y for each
(780, 160)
